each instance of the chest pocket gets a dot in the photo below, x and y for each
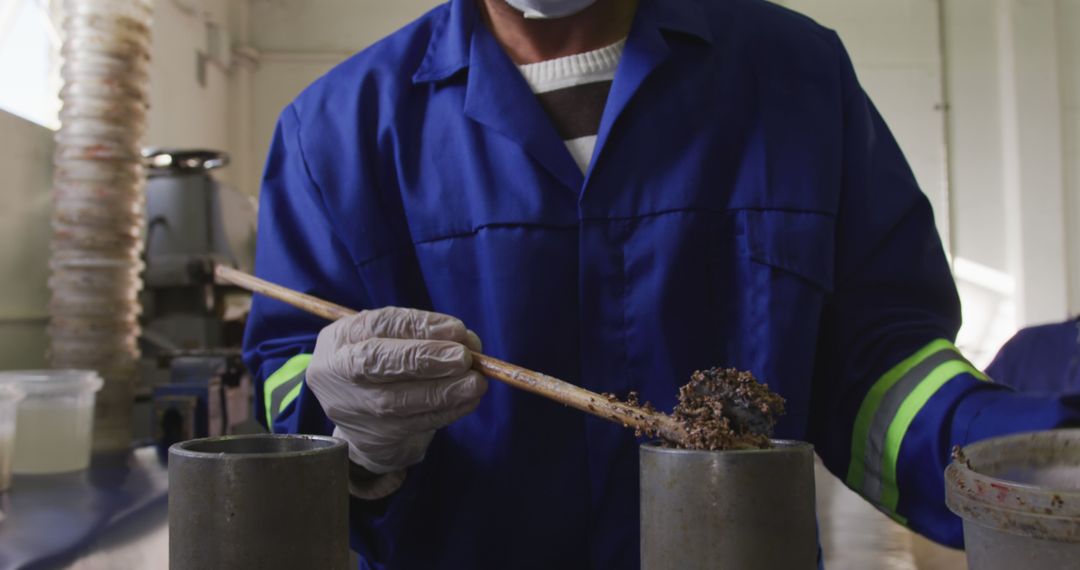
(801, 244)
(772, 283)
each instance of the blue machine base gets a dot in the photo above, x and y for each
(49, 520)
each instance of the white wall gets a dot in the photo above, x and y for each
(1068, 36)
(1012, 77)
(293, 42)
(189, 95)
(977, 153)
(26, 160)
(328, 25)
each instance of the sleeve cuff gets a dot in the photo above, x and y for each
(997, 410)
(364, 484)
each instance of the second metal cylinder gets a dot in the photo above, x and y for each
(728, 509)
(273, 502)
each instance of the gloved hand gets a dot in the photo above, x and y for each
(389, 378)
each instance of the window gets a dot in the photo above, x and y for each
(29, 56)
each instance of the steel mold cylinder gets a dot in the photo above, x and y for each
(728, 509)
(260, 501)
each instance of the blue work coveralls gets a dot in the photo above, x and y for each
(746, 206)
(1043, 359)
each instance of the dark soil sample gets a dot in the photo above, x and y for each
(644, 412)
(959, 457)
(724, 408)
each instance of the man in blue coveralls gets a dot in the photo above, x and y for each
(615, 193)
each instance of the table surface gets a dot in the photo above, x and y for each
(115, 516)
(50, 521)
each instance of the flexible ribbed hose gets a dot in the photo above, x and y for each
(98, 204)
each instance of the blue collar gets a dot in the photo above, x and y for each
(448, 51)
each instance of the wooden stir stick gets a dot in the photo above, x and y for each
(547, 386)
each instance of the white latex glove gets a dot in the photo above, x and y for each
(389, 378)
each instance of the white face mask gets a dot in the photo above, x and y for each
(542, 9)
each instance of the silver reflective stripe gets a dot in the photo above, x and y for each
(883, 417)
(277, 397)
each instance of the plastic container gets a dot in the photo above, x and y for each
(10, 396)
(1019, 497)
(55, 420)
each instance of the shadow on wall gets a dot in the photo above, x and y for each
(26, 152)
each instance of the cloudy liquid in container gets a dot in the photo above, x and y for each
(53, 437)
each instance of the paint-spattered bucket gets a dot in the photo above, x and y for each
(1019, 497)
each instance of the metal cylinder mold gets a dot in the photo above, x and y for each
(728, 509)
(273, 502)
(97, 204)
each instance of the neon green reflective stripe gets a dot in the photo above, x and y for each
(890, 493)
(864, 419)
(276, 382)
